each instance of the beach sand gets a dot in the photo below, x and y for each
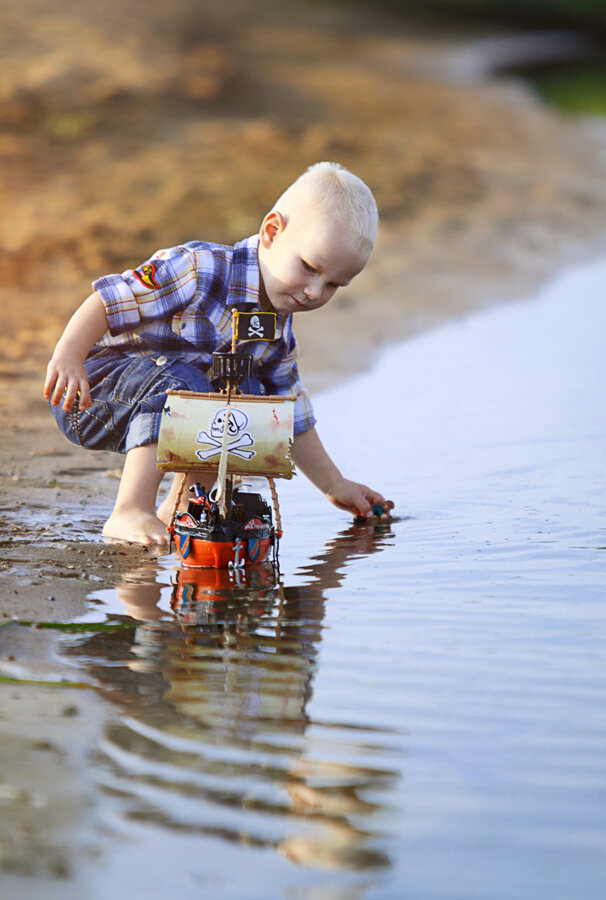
(110, 149)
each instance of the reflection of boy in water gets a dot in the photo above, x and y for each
(243, 681)
(155, 328)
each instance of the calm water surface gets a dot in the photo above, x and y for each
(415, 710)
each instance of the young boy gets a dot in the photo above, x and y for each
(156, 327)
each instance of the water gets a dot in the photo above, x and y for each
(415, 710)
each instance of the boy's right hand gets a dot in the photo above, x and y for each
(66, 373)
(67, 377)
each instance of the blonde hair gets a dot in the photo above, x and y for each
(330, 188)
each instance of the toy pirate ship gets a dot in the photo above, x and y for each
(234, 437)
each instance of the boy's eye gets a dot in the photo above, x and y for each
(307, 267)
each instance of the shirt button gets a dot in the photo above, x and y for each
(161, 360)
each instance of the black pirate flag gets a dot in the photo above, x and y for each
(259, 326)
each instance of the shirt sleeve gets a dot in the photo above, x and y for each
(280, 375)
(159, 288)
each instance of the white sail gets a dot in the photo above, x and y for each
(259, 434)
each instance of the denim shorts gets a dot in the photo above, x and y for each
(128, 394)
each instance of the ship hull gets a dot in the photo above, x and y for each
(198, 551)
(204, 540)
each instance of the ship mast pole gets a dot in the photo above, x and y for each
(222, 473)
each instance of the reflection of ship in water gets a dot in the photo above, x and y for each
(217, 738)
(203, 596)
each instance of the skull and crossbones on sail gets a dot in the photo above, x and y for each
(239, 440)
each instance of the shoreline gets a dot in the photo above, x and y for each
(483, 193)
(45, 577)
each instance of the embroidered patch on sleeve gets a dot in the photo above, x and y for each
(147, 275)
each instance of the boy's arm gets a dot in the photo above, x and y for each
(65, 372)
(309, 455)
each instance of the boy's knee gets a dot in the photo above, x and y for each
(182, 376)
(186, 377)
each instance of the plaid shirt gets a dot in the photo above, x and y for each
(178, 304)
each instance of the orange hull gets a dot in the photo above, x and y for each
(201, 554)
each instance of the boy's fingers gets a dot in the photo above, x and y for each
(85, 399)
(368, 499)
(58, 391)
(375, 497)
(70, 396)
(360, 500)
(362, 507)
(65, 388)
(49, 383)
(380, 509)
(77, 388)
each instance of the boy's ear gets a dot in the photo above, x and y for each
(271, 226)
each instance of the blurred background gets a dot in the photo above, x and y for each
(126, 127)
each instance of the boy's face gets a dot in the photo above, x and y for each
(304, 261)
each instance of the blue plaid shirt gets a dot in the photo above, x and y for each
(178, 304)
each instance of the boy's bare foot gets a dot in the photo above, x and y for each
(137, 526)
(180, 488)
(165, 510)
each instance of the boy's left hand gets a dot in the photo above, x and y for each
(358, 499)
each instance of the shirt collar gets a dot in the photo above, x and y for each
(244, 282)
(245, 279)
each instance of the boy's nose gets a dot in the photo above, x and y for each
(313, 291)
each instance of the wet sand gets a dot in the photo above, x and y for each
(108, 152)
